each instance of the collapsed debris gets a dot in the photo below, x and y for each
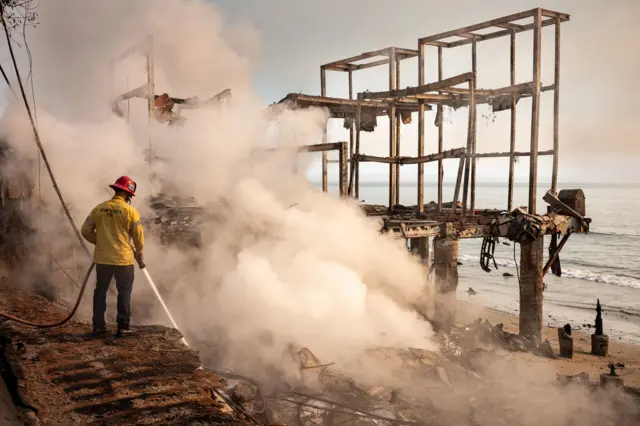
(177, 220)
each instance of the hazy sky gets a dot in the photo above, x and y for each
(599, 128)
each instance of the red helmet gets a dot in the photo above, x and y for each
(126, 184)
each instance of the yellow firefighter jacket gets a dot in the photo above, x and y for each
(111, 226)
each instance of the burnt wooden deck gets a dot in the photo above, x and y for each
(401, 221)
(64, 376)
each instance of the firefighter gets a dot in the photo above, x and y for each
(111, 226)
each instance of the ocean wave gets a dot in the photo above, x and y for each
(613, 279)
(615, 234)
(606, 308)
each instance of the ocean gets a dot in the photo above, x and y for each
(603, 264)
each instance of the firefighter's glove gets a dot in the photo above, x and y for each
(140, 260)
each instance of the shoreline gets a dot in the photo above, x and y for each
(566, 300)
(627, 353)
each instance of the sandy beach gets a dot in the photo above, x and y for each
(619, 351)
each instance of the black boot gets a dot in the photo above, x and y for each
(99, 332)
(124, 330)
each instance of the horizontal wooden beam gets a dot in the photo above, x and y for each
(453, 153)
(407, 53)
(564, 17)
(503, 33)
(360, 57)
(471, 36)
(321, 147)
(371, 64)
(412, 91)
(508, 154)
(139, 92)
(510, 26)
(480, 26)
(551, 224)
(436, 43)
(348, 63)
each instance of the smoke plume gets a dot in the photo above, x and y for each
(278, 257)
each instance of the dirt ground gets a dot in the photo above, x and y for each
(619, 352)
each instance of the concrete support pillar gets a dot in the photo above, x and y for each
(445, 259)
(420, 247)
(531, 287)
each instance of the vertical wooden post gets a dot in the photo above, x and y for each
(351, 130)
(357, 159)
(512, 142)
(392, 128)
(472, 107)
(556, 110)
(151, 88)
(343, 162)
(445, 260)
(420, 201)
(323, 92)
(469, 152)
(456, 191)
(535, 111)
(531, 286)
(398, 127)
(440, 134)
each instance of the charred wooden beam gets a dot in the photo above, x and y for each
(473, 228)
(411, 91)
(421, 109)
(556, 109)
(512, 139)
(371, 64)
(535, 110)
(321, 147)
(362, 56)
(472, 109)
(398, 123)
(349, 65)
(453, 153)
(343, 161)
(329, 102)
(471, 36)
(392, 129)
(323, 91)
(440, 125)
(510, 154)
(510, 26)
(552, 260)
(470, 137)
(456, 191)
(480, 26)
(503, 33)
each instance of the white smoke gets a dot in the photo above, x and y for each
(278, 256)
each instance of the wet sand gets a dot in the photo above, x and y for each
(619, 351)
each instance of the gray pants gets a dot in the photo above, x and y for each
(124, 283)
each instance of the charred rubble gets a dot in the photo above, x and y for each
(462, 382)
(175, 220)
